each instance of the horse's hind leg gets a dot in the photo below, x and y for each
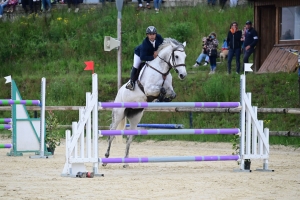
(134, 116)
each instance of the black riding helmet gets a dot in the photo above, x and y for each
(151, 29)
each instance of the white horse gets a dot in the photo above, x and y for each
(154, 82)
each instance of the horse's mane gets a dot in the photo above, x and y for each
(167, 42)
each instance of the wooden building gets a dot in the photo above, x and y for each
(278, 25)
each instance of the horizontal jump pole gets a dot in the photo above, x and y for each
(5, 126)
(7, 146)
(169, 159)
(169, 104)
(5, 120)
(171, 109)
(6, 102)
(162, 126)
(170, 132)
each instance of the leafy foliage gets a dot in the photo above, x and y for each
(52, 133)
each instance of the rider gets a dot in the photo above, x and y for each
(146, 51)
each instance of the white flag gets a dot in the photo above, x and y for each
(8, 79)
(248, 67)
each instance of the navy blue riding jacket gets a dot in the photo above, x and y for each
(234, 40)
(251, 38)
(146, 50)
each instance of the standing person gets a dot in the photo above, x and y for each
(140, 6)
(233, 3)
(3, 4)
(202, 56)
(44, 4)
(30, 3)
(147, 51)
(75, 4)
(234, 42)
(157, 4)
(211, 46)
(212, 2)
(222, 4)
(250, 42)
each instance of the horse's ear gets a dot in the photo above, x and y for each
(184, 44)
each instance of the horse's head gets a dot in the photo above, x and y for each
(172, 52)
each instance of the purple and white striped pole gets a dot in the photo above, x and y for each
(5, 120)
(5, 126)
(169, 104)
(228, 131)
(169, 159)
(6, 102)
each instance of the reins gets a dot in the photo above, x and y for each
(164, 75)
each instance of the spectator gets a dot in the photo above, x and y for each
(11, 5)
(44, 2)
(222, 3)
(233, 3)
(250, 42)
(140, 6)
(212, 2)
(30, 3)
(147, 51)
(75, 4)
(157, 4)
(3, 4)
(211, 46)
(234, 42)
(202, 55)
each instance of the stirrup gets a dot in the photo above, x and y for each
(130, 85)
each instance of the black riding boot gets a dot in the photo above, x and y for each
(133, 78)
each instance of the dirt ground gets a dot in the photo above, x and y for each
(25, 178)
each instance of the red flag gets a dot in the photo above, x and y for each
(89, 65)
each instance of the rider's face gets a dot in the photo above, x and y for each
(151, 36)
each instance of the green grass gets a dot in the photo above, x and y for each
(56, 47)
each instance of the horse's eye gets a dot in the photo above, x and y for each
(176, 57)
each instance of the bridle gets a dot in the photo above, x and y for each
(164, 75)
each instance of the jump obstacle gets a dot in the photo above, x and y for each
(81, 149)
(28, 134)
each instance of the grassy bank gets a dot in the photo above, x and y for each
(55, 46)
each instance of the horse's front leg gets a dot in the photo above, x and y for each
(110, 139)
(128, 142)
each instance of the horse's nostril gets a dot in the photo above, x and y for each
(181, 76)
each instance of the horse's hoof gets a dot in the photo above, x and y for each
(104, 164)
(125, 166)
(106, 155)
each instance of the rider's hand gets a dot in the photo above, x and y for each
(155, 54)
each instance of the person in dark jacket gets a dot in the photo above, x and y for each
(211, 46)
(234, 43)
(250, 42)
(147, 51)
